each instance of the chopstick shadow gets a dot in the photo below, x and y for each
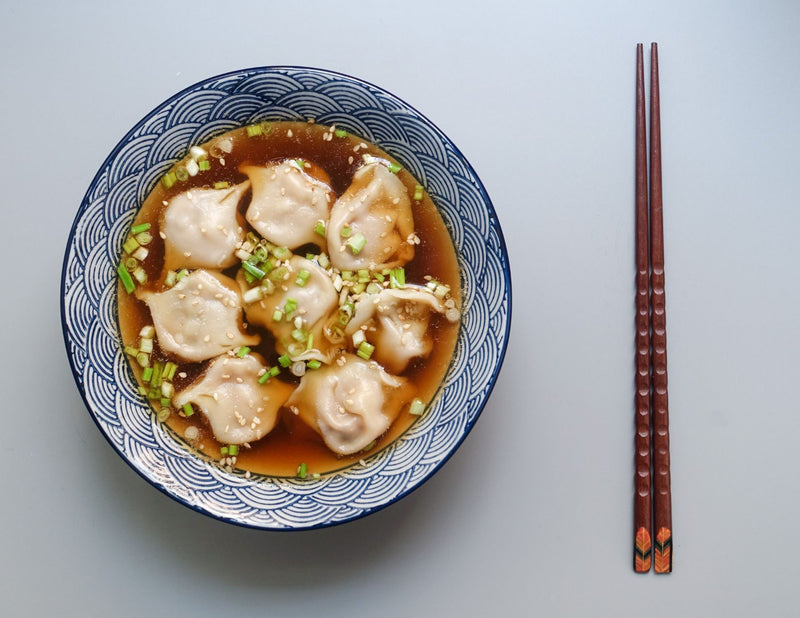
(180, 538)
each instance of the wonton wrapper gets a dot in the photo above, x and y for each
(287, 203)
(396, 323)
(315, 302)
(349, 404)
(376, 204)
(237, 407)
(201, 228)
(199, 317)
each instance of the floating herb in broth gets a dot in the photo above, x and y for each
(360, 298)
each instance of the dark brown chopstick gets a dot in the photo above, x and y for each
(642, 520)
(662, 497)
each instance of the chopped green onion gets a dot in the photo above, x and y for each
(340, 133)
(131, 264)
(222, 184)
(273, 372)
(441, 291)
(243, 351)
(143, 359)
(223, 450)
(369, 446)
(233, 450)
(181, 173)
(324, 260)
(181, 274)
(302, 278)
(163, 414)
(140, 254)
(282, 253)
(253, 270)
(379, 277)
(347, 275)
(363, 275)
(266, 127)
(394, 167)
(138, 229)
(204, 165)
(289, 306)
(397, 277)
(284, 361)
(148, 331)
(267, 286)
(253, 295)
(167, 390)
(358, 287)
(346, 231)
(188, 410)
(365, 350)
(144, 238)
(314, 364)
(374, 288)
(147, 374)
(279, 274)
(418, 192)
(319, 228)
(125, 278)
(170, 279)
(302, 470)
(261, 253)
(253, 130)
(277, 315)
(310, 341)
(300, 163)
(146, 346)
(140, 275)
(300, 335)
(169, 179)
(130, 245)
(356, 243)
(158, 372)
(169, 370)
(417, 407)
(131, 351)
(165, 401)
(263, 379)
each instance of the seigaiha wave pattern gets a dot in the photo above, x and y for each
(89, 303)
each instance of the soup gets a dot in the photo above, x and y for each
(289, 299)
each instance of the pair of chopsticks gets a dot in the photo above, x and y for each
(652, 517)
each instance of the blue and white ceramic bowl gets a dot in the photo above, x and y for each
(89, 307)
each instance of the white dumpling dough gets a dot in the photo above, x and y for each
(199, 317)
(396, 323)
(315, 302)
(376, 204)
(237, 407)
(201, 229)
(349, 403)
(287, 204)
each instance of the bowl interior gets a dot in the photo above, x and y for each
(89, 307)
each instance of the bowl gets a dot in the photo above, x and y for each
(89, 306)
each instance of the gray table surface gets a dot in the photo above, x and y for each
(532, 516)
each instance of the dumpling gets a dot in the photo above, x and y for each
(287, 204)
(396, 322)
(295, 312)
(200, 228)
(237, 407)
(199, 318)
(349, 403)
(371, 224)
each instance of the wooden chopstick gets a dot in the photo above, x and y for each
(642, 520)
(662, 493)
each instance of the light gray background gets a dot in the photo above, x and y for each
(532, 516)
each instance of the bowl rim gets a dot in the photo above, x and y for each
(486, 203)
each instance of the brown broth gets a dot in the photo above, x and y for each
(291, 442)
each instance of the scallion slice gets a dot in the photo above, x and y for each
(394, 167)
(417, 407)
(418, 192)
(284, 361)
(340, 133)
(253, 130)
(169, 179)
(138, 229)
(319, 228)
(204, 165)
(125, 278)
(397, 277)
(314, 364)
(233, 450)
(302, 278)
(302, 470)
(188, 410)
(356, 243)
(365, 350)
(243, 351)
(253, 271)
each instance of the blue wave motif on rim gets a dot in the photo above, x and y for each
(88, 309)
